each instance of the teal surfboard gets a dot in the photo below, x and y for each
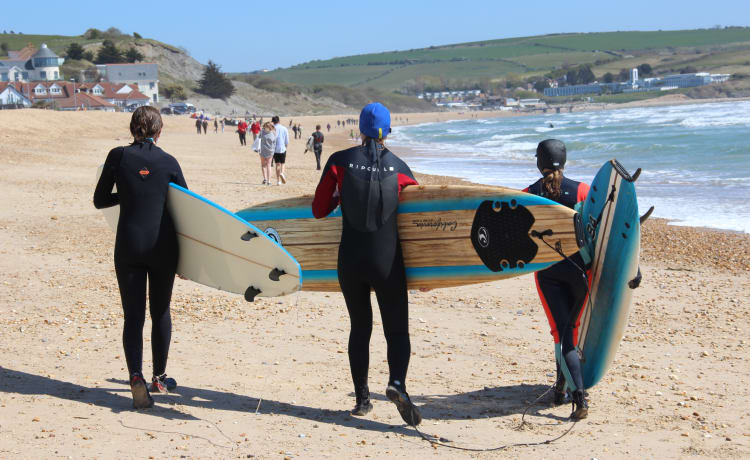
(612, 239)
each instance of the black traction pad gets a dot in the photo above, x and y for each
(500, 235)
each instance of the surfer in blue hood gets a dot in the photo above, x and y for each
(562, 287)
(366, 181)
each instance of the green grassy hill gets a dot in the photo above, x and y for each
(718, 50)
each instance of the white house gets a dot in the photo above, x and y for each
(144, 76)
(27, 65)
(9, 95)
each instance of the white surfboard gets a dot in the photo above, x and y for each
(221, 250)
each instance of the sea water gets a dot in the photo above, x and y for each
(695, 158)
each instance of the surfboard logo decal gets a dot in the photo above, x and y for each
(273, 234)
(483, 237)
(511, 246)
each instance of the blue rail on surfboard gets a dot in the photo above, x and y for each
(305, 212)
(453, 271)
(244, 222)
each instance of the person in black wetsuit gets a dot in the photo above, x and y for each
(145, 245)
(367, 180)
(563, 287)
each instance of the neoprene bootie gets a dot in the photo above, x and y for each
(406, 408)
(580, 406)
(363, 405)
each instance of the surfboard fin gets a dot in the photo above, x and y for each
(647, 215)
(251, 292)
(635, 282)
(275, 274)
(249, 236)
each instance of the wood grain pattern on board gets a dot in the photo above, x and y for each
(435, 227)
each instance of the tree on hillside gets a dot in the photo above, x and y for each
(113, 32)
(572, 77)
(136, 35)
(608, 77)
(74, 51)
(540, 85)
(644, 69)
(214, 83)
(585, 75)
(4, 47)
(92, 34)
(88, 55)
(109, 54)
(173, 92)
(133, 55)
(624, 75)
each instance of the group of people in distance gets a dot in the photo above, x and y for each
(369, 258)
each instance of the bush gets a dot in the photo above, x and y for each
(214, 83)
(4, 48)
(136, 35)
(88, 55)
(109, 54)
(74, 51)
(133, 55)
(92, 34)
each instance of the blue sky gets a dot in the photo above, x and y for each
(244, 36)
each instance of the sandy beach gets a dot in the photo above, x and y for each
(271, 379)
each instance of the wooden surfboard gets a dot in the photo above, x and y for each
(450, 235)
(612, 238)
(221, 250)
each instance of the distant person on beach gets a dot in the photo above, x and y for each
(255, 129)
(267, 147)
(205, 126)
(279, 155)
(145, 246)
(563, 288)
(299, 131)
(222, 125)
(294, 129)
(198, 125)
(242, 131)
(216, 126)
(329, 127)
(370, 254)
(318, 139)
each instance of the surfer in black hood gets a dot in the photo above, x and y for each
(366, 180)
(145, 245)
(562, 287)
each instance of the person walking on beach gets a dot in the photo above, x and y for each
(299, 131)
(267, 147)
(222, 125)
(145, 246)
(216, 126)
(242, 131)
(370, 254)
(563, 287)
(279, 155)
(205, 126)
(329, 127)
(317, 144)
(255, 129)
(198, 125)
(294, 130)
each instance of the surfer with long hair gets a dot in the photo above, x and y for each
(145, 246)
(367, 180)
(563, 287)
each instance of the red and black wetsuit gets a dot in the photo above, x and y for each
(562, 287)
(145, 245)
(367, 181)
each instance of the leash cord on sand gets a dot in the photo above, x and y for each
(440, 441)
(185, 434)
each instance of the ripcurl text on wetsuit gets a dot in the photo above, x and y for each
(562, 287)
(145, 245)
(367, 181)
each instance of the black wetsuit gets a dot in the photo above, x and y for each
(370, 252)
(563, 287)
(145, 245)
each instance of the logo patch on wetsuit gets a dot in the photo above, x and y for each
(144, 172)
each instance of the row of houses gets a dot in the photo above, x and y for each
(37, 66)
(65, 95)
(636, 84)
